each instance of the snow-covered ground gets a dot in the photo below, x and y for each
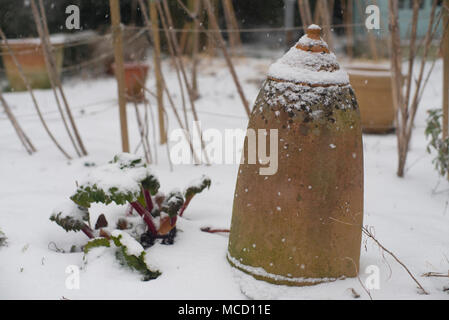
(409, 215)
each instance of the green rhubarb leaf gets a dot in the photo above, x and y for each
(151, 183)
(172, 203)
(197, 187)
(70, 217)
(119, 181)
(96, 243)
(130, 253)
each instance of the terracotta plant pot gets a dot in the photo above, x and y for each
(135, 78)
(302, 225)
(373, 88)
(31, 57)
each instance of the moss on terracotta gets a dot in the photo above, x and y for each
(318, 236)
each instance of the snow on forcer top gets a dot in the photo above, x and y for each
(309, 62)
(314, 27)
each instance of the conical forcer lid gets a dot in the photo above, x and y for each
(309, 62)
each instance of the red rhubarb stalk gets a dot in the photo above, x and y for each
(145, 215)
(184, 206)
(181, 211)
(148, 200)
(88, 231)
(173, 220)
(210, 230)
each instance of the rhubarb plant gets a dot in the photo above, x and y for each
(127, 179)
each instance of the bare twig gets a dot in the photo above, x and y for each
(33, 98)
(347, 7)
(322, 10)
(51, 72)
(371, 236)
(305, 12)
(406, 107)
(354, 293)
(178, 118)
(143, 138)
(195, 49)
(358, 278)
(117, 41)
(172, 57)
(46, 43)
(436, 274)
(157, 66)
(29, 147)
(216, 36)
(168, 21)
(153, 125)
(231, 22)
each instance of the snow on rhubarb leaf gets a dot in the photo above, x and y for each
(197, 186)
(172, 203)
(119, 181)
(122, 238)
(70, 216)
(131, 253)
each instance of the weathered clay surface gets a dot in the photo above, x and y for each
(302, 225)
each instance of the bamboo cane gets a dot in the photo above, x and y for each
(57, 79)
(326, 17)
(317, 16)
(178, 118)
(26, 142)
(51, 73)
(164, 84)
(33, 98)
(190, 94)
(153, 126)
(172, 57)
(211, 44)
(305, 12)
(195, 48)
(231, 22)
(143, 137)
(347, 6)
(220, 42)
(119, 70)
(176, 61)
(157, 71)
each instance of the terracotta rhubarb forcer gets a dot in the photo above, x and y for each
(302, 225)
